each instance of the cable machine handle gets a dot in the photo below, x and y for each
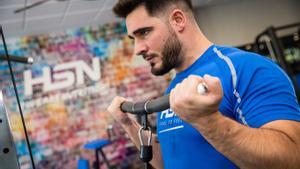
(151, 106)
(146, 107)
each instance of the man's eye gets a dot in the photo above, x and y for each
(144, 32)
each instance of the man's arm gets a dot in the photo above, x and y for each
(132, 128)
(274, 145)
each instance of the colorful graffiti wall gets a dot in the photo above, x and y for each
(65, 93)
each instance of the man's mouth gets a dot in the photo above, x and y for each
(148, 57)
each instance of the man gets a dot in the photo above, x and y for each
(249, 118)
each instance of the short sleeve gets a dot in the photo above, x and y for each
(264, 94)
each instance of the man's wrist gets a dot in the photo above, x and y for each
(126, 121)
(208, 122)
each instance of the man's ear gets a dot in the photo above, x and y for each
(178, 20)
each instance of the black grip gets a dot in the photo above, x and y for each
(146, 107)
(27, 60)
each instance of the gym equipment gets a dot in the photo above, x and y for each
(97, 145)
(8, 155)
(157, 105)
(27, 60)
(148, 107)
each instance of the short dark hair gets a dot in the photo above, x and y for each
(125, 7)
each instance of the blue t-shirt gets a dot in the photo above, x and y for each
(256, 91)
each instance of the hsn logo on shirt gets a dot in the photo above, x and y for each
(167, 114)
(169, 121)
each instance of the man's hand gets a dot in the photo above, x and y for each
(189, 105)
(115, 110)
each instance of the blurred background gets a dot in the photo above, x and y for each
(82, 41)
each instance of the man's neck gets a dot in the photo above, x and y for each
(194, 47)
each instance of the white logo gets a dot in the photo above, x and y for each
(63, 76)
(167, 114)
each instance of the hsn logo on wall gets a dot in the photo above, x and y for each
(72, 76)
(62, 76)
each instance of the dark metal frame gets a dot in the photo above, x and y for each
(8, 154)
(7, 137)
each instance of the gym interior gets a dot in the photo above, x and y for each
(64, 123)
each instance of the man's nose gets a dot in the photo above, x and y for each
(140, 48)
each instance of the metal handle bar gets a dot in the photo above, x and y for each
(151, 106)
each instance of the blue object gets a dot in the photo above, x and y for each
(256, 91)
(83, 164)
(97, 144)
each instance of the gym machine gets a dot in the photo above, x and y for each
(8, 154)
(144, 109)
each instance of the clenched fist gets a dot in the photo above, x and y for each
(115, 110)
(189, 105)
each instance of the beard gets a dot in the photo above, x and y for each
(171, 56)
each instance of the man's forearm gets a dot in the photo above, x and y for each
(132, 128)
(249, 147)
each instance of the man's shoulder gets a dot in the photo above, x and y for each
(244, 59)
(240, 55)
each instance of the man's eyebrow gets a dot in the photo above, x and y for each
(140, 30)
(130, 37)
